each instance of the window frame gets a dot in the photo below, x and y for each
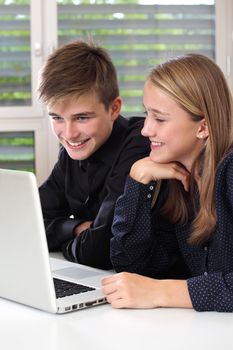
(224, 38)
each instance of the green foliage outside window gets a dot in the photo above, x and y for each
(17, 150)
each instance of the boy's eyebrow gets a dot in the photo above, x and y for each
(53, 114)
(82, 113)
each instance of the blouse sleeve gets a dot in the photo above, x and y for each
(212, 292)
(141, 244)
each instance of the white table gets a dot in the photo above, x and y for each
(101, 327)
(25, 328)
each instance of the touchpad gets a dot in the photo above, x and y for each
(76, 272)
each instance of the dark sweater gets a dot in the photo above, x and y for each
(79, 191)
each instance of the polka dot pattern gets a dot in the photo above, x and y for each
(145, 243)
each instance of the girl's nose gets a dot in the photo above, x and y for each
(147, 130)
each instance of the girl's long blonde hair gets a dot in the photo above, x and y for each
(198, 85)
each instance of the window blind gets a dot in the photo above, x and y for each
(15, 61)
(17, 150)
(138, 36)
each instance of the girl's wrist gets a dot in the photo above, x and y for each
(138, 173)
(174, 293)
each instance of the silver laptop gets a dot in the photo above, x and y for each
(27, 274)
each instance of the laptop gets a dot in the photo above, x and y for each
(27, 274)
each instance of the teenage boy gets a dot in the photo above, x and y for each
(78, 84)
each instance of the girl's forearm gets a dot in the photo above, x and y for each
(174, 293)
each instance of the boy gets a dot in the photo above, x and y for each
(79, 87)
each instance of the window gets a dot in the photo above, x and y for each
(20, 57)
(139, 34)
(17, 151)
(15, 63)
(21, 117)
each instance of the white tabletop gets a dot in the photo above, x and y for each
(102, 327)
(22, 327)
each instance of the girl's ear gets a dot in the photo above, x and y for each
(203, 131)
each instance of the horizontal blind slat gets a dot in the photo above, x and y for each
(13, 9)
(134, 24)
(200, 10)
(14, 25)
(147, 39)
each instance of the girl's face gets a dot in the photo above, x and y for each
(174, 136)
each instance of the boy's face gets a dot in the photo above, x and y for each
(84, 124)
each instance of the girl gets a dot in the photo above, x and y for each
(189, 122)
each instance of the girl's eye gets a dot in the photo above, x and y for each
(159, 120)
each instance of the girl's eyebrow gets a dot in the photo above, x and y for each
(156, 111)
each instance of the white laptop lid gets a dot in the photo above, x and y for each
(25, 274)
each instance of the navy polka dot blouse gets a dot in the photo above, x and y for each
(144, 243)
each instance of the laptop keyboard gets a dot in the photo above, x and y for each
(65, 288)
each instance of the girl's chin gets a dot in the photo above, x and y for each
(157, 159)
(154, 157)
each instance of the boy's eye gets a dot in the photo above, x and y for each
(82, 117)
(56, 117)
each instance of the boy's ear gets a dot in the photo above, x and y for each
(203, 130)
(116, 107)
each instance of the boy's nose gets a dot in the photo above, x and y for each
(71, 132)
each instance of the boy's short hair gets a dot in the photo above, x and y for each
(76, 69)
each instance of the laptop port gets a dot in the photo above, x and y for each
(81, 305)
(90, 303)
(67, 308)
(74, 307)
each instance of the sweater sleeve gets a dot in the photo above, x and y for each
(56, 211)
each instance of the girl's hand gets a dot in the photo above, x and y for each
(129, 290)
(145, 171)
